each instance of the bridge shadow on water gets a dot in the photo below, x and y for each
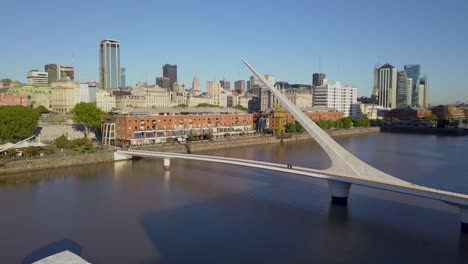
(248, 228)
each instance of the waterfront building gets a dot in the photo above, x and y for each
(413, 71)
(57, 72)
(387, 85)
(65, 94)
(318, 78)
(156, 125)
(371, 111)
(302, 98)
(240, 86)
(170, 71)
(342, 98)
(407, 113)
(37, 78)
(404, 86)
(449, 113)
(109, 64)
(265, 119)
(164, 82)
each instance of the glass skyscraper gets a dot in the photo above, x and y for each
(413, 71)
(109, 64)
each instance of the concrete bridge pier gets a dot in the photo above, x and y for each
(167, 164)
(464, 219)
(339, 191)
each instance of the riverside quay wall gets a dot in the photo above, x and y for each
(58, 161)
(54, 161)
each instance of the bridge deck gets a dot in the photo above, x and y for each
(399, 186)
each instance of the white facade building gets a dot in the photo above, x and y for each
(342, 98)
(38, 78)
(105, 100)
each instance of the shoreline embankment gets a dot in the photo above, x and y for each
(33, 164)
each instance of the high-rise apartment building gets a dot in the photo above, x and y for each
(404, 86)
(170, 71)
(56, 72)
(225, 84)
(240, 86)
(259, 90)
(123, 81)
(387, 85)
(413, 71)
(375, 88)
(109, 64)
(215, 90)
(342, 98)
(317, 79)
(37, 78)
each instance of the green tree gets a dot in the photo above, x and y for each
(347, 122)
(88, 115)
(299, 127)
(190, 138)
(210, 136)
(62, 142)
(339, 123)
(182, 105)
(430, 118)
(41, 109)
(207, 105)
(290, 128)
(17, 122)
(240, 107)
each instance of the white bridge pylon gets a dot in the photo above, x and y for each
(343, 162)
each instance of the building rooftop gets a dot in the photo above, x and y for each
(177, 111)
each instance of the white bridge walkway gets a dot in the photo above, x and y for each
(346, 169)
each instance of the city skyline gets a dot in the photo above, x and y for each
(348, 51)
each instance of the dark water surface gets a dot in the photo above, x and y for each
(134, 212)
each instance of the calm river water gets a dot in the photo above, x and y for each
(134, 212)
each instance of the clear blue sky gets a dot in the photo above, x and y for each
(207, 37)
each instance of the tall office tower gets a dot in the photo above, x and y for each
(422, 93)
(123, 81)
(170, 71)
(225, 84)
(196, 89)
(387, 85)
(248, 86)
(317, 79)
(56, 72)
(37, 78)
(413, 71)
(240, 86)
(164, 82)
(375, 88)
(403, 94)
(109, 64)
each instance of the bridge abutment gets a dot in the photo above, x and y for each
(339, 191)
(167, 164)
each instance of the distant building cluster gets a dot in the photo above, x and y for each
(396, 94)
